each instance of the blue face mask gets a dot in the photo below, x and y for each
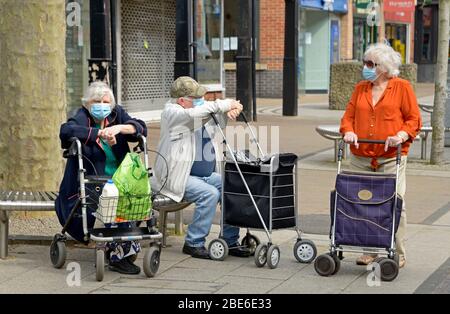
(196, 102)
(100, 111)
(369, 74)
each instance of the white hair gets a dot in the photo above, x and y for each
(96, 91)
(386, 57)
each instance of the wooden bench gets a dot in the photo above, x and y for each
(45, 201)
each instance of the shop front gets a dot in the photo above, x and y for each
(366, 26)
(319, 42)
(426, 38)
(399, 21)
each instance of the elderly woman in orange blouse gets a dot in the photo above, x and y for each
(382, 107)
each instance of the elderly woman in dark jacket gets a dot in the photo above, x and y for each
(104, 129)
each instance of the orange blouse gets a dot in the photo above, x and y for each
(397, 110)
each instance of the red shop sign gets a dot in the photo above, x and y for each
(399, 10)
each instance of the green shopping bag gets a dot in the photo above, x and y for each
(131, 179)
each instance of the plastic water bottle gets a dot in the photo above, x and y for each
(108, 202)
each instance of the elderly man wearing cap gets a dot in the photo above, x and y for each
(192, 154)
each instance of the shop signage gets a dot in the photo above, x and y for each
(366, 6)
(399, 10)
(339, 6)
(362, 4)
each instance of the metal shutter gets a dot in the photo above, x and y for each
(147, 72)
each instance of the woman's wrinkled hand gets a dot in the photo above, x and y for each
(351, 138)
(392, 141)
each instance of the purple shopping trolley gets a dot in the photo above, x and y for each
(365, 213)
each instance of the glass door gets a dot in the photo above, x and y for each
(209, 43)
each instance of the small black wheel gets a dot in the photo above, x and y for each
(152, 261)
(396, 258)
(305, 251)
(261, 255)
(99, 264)
(337, 262)
(218, 249)
(273, 256)
(388, 269)
(58, 253)
(251, 242)
(325, 265)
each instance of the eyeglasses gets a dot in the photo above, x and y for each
(370, 64)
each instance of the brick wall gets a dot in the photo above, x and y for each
(347, 33)
(271, 36)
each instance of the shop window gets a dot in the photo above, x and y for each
(426, 36)
(363, 36)
(207, 34)
(396, 34)
(231, 28)
(77, 51)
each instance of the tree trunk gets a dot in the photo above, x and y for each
(440, 92)
(32, 93)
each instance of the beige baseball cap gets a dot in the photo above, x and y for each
(185, 86)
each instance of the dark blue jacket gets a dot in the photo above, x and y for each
(82, 127)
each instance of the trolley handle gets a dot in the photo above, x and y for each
(73, 149)
(366, 141)
(213, 115)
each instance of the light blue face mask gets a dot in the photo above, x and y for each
(100, 111)
(196, 102)
(369, 74)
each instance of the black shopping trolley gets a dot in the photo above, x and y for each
(365, 214)
(260, 193)
(92, 204)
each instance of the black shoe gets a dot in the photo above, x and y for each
(124, 267)
(197, 252)
(131, 259)
(239, 251)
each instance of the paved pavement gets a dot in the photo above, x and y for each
(428, 262)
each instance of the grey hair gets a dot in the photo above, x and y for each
(96, 91)
(388, 59)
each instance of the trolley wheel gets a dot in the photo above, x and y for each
(325, 265)
(58, 253)
(251, 242)
(99, 264)
(273, 256)
(218, 249)
(151, 261)
(261, 255)
(388, 269)
(337, 263)
(305, 251)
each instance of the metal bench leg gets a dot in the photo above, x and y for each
(163, 226)
(179, 222)
(4, 230)
(424, 147)
(336, 150)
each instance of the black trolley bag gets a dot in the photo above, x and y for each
(260, 194)
(365, 213)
